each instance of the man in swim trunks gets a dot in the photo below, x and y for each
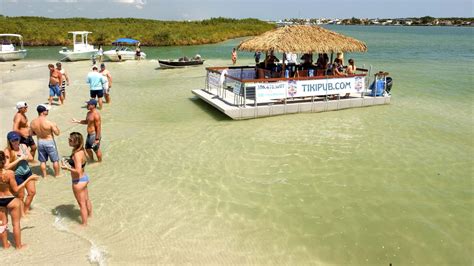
(65, 79)
(94, 130)
(96, 83)
(45, 131)
(108, 84)
(20, 125)
(55, 81)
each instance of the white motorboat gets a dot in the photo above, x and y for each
(123, 52)
(7, 49)
(82, 50)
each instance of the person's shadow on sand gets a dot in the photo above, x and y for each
(68, 211)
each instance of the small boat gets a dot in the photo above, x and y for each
(82, 50)
(181, 62)
(123, 52)
(7, 49)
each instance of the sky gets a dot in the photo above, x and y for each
(261, 9)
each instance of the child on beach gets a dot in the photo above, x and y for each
(234, 56)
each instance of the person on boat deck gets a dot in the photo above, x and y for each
(257, 56)
(351, 68)
(307, 62)
(271, 61)
(338, 68)
(322, 62)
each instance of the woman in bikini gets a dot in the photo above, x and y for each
(8, 201)
(80, 180)
(17, 157)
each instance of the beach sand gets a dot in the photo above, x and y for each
(43, 230)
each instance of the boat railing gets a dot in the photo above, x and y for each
(242, 86)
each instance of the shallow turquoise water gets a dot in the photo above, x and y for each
(182, 183)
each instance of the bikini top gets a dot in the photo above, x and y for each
(70, 161)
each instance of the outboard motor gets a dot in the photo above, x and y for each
(389, 84)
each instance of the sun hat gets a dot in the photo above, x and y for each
(13, 136)
(41, 108)
(20, 105)
(94, 67)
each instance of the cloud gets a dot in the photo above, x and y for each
(138, 3)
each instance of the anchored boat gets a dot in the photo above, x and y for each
(8, 52)
(181, 62)
(122, 51)
(82, 50)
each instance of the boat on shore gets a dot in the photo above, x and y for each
(8, 51)
(82, 50)
(122, 51)
(181, 62)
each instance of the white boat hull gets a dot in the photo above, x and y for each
(77, 56)
(12, 55)
(126, 55)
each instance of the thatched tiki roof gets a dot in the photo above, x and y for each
(302, 39)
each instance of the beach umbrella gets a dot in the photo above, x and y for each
(302, 39)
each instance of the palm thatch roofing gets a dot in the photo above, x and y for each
(302, 39)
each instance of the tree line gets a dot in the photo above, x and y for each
(41, 31)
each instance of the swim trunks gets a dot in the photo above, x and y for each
(27, 141)
(47, 148)
(90, 142)
(54, 90)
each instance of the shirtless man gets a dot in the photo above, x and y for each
(55, 81)
(44, 130)
(94, 130)
(108, 84)
(20, 125)
(65, 79)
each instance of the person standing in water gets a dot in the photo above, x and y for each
(20, 125)
(55, 80)
(76, 164)
(8, 201)
(45, 131)
(17, 156)
(234, 56)
(65, 79)
(94, 130)
(108, 84)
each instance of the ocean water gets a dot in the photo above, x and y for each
(182, 183)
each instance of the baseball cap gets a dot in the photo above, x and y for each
(94, 67)
(41, 108)
(102, 65)
(13, 136)
(92, 102)
(21, 105)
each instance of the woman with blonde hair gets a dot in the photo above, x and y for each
(76, 164)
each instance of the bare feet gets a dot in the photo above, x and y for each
(21, 246)
(6, 245)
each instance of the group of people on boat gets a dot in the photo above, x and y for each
(272, 67)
